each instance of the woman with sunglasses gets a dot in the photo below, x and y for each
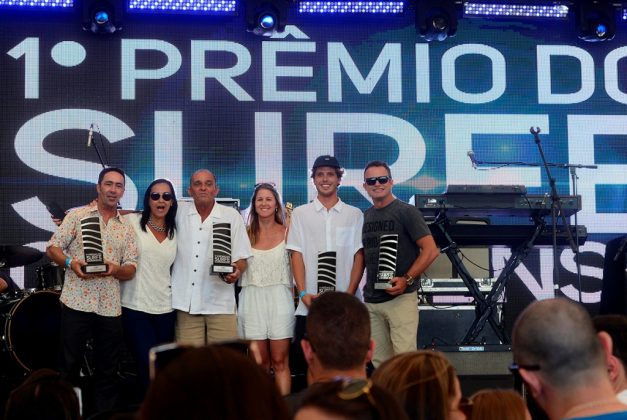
(147, 314)
(266, 306)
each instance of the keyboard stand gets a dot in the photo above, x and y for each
(486, 307)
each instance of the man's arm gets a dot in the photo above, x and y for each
(240, 267)
(357, 271)
(56, 254)
(298, 271)
(428, 253)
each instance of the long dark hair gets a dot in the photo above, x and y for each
(253, 217)
(170, 217)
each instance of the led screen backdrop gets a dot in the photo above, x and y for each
(170, 95)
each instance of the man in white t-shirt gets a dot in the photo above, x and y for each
(205, 302)
(324, 230)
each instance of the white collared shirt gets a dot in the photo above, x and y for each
(314, 229)
(194, 289)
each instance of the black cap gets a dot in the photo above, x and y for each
(326, 160)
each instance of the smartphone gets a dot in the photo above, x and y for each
(160, 356)
(55, 210)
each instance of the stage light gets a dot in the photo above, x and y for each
(596, 21)
(37, 4)
(436, 20)
(198, 7)
(101, 17)
(521, 10)
(265, 18)
(350, 7)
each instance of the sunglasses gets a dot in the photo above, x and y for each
(155, 196)
(355, 388)
(382, 180)
(465, 406)
(515, 367)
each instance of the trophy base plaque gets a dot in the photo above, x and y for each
(95, 268)
(222, 269)
(383, 280)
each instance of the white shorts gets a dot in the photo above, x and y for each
(266, 313)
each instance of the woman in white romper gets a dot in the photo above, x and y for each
(266, 304)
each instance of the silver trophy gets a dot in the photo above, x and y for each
(92, 246)
(222, 249)
(388, 247)
(326, 271)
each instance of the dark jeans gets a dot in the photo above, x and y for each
(298, 364)
(142, 332)
(76, 328)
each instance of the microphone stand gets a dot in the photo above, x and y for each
(100, 156)
(556, 210)
(98, 151)
(555, 204)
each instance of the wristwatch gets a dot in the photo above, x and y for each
(410, 280)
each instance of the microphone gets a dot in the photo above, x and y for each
(471, 155)
(91, 135)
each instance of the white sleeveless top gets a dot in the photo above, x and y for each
(268, 267)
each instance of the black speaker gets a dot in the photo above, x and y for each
(443, 327)
(613, 299)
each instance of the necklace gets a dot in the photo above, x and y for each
(156, 227)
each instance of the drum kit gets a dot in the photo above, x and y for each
(30, 319)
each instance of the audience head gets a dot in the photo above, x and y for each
(424, 382)
(45, 394)
(338, 333)
(212, 382)
(615, 326)
(349, 399)
(498, 404)
(555, 341)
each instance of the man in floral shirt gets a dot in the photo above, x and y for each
(91, 302)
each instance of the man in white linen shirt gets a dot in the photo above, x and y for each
(326, 224)
(205, 302)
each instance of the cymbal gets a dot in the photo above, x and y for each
(17, 255)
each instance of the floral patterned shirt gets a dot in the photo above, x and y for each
(100, 295)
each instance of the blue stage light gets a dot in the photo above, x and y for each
(37, 4)
(267, 21)
(498, 10)
(101, 17)
(596, 21)
(436, 20)
(266, 17)
(351, 7)
(227, 7)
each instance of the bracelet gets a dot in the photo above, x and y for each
(302, 294)
(68, 261)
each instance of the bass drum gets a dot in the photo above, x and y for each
(31, 332)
